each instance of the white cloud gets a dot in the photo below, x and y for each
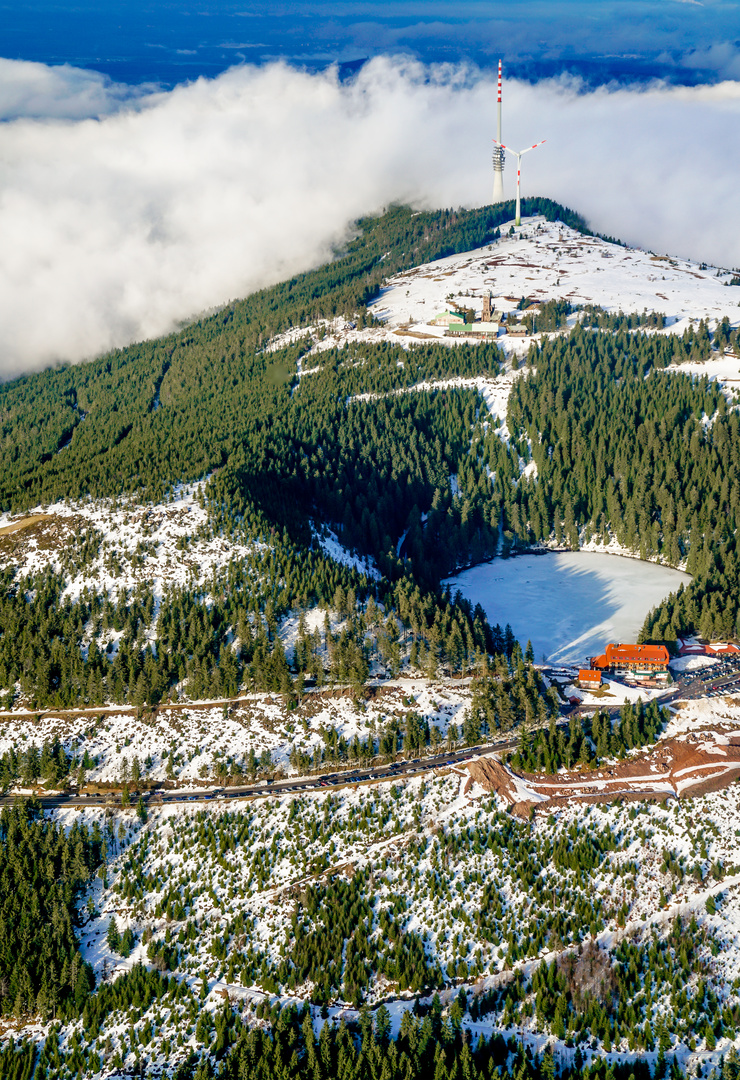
(722, 57)
(122, 211)
(59, 93)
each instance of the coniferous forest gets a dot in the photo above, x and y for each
(338, 448)
(387, 449)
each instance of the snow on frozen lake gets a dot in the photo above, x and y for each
(569, 604)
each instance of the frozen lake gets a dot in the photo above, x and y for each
(569, 604)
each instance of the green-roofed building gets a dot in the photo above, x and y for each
(448, 318)
(481, 329)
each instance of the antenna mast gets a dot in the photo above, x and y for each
(498, 152)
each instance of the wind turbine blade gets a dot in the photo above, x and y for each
(534, 147)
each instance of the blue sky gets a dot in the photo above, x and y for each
(681, 41)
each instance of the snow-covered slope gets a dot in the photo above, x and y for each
(472, 894)
(156, 544)
(548, 261)
(201, 743)
(542, 261)
(444, 860)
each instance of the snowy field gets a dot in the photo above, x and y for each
(153, 544)
(548, 261)
(723, 369)
(544, 261)
(202, 744)
(693, 663)
(569, 604)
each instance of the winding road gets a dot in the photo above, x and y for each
(689, 687)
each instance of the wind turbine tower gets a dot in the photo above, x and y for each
(519, 155)
(498, 153)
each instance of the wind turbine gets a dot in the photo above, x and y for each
(519, 155)
(498, 153)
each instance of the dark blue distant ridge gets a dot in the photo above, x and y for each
(145, 41)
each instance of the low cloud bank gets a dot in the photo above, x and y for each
(123, 211)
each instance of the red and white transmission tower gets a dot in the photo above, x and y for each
(498, 153)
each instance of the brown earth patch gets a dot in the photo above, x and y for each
(682, 767)
(24, 523)
(50, 533)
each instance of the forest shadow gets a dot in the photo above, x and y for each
(592, 601)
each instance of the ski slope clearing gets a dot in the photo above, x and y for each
(569, 604)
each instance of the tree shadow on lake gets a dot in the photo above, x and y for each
(589, 603)
(562, 604)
